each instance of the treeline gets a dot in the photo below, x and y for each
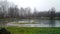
(8, 10)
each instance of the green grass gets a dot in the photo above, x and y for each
(34, 30)
(41, 18)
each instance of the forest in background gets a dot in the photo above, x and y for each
(10, 10)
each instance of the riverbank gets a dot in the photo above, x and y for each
(40, 18)
(34, 30)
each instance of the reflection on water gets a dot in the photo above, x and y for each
(40, 23)
(52, 23)
(2, 23)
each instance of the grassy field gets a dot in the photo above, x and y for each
(34, 30)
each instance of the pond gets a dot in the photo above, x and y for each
(40, 23)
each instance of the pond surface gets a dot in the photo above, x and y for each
(40, 23)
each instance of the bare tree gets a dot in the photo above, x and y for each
(13, 12)
(16, 12)
(52, 13)
(4, 4)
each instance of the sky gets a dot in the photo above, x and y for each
(41, 5)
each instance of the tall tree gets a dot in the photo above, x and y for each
(4, 4)
(11, 12)
(16, 12)
(52, 13)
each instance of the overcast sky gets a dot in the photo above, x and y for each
(41, 5)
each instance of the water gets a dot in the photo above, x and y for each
(40, 23)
